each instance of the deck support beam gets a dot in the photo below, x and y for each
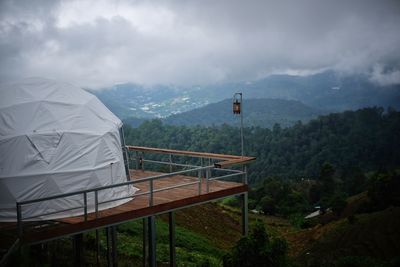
(172, 251)
(78, 250)
(151, 220)
(97, 248)
(111, 234)
(144, 253)
(245, 214)
(114, 245)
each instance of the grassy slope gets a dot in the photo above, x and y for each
(207, 231)
(203, 234)
(217, 224)
(371, 235)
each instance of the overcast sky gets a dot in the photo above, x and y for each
(98, 43)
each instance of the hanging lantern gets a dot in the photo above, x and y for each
(236, 107)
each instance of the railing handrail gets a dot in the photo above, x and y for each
(189, 153)
(227, 160)
(100, 188)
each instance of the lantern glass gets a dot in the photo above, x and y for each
(236, 107)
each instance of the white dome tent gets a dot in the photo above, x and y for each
(56, 138)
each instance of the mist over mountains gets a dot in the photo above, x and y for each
(319, 93)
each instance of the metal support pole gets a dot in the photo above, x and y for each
(145, 242)
(78, 250)
(241, 125)
(238, 109)
(108, 244)
(172, 252)
(152, 241)
(114, 245)
(245, 214)
(97, 248)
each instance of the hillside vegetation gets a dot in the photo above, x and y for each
(373, 235)
(351, 141)
(327, 162)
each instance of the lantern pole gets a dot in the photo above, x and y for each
(238, 109)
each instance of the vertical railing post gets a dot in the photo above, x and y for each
(170, 163)
(111, 172)
(151, 192)
(137, 160)
(19, 220)
(96, 203)
(142, 161)
(85, 205)
(245, 180)
(207, 180)
(199, 183)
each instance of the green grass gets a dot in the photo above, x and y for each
(192, 249)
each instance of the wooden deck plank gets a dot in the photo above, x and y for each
(163, 201)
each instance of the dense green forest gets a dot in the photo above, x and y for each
(352, 141)
(318, 163)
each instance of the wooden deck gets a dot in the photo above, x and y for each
(163, 201)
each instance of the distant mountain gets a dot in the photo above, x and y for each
(256, 112)
(328, 90)
(325, 91)
(132, 100)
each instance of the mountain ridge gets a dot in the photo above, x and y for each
(328, 91)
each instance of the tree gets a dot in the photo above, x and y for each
(338, 203)
(267, 205)
(257, 250)
(326, 178)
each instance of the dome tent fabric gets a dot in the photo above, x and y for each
(57, 138)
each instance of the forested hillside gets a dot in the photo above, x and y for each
(346, 163)
(365, 140)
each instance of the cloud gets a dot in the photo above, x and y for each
(385, 77)
(99, 43)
